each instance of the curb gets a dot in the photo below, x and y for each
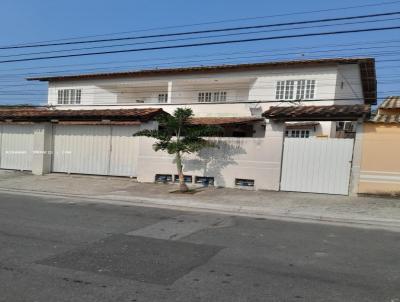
(248, 211)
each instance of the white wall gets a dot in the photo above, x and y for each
(242, 85)
(264, 87)
(246, 158)
(348, 85)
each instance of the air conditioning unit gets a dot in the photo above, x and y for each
(349, 127)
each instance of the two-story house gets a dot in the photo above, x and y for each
(88, 124)
(242, 91)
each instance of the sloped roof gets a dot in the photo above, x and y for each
(386, 118)
(391, 102)
(317, 113)
(45, 114)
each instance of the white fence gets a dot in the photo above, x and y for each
(257, 159)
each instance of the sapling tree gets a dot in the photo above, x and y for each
(177, 135)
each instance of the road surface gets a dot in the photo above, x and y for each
(63, 249)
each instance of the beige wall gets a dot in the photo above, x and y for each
(246, 158)
(380, 163)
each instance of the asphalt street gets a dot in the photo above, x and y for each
(62, 249)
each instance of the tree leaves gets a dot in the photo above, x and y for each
(177, 135)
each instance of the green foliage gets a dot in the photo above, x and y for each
(177, 135)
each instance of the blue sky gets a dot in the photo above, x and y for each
(32, 21)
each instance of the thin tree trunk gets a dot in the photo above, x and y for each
(182, 186)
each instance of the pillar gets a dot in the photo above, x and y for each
(356, 163)
(42, 148)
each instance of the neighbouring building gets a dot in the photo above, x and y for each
(380, 163)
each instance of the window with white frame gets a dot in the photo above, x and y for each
(298, 133)
(208, 97)
(163, 98)
(69, 96)
(295, 90)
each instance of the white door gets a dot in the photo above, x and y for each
(317, 165)
(81, 149)
(16, 147)
(124, 151)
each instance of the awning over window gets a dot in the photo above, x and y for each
(318, 113)
(301, 125)
(221, 121)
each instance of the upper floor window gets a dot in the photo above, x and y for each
(295, 90)
(208, 97)
(163, 98)
(69, 96)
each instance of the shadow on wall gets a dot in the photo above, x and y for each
(211, 161)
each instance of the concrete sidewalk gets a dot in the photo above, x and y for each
(371, 212)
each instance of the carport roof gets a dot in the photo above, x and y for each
(46, 115)
(318, 113)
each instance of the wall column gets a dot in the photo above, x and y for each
(169, 101)
(42, 148)
(356, 163)
(275, 135)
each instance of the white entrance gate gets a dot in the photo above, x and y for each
(98, 150)
(16, 145)
(317, 165)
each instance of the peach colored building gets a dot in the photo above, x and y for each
(380, 162)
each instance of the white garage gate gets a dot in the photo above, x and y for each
(317, 165)
(16, 145)
(95, 149)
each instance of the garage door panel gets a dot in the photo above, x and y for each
(16, 147)
(317, 165)
(124, 151)
(81, 149)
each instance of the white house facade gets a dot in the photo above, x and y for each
(244, 90)
(272, 115)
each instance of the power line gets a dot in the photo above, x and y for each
(193, 38)
(385, 42)
(204, 31)
(222, 21)
(206, 44)
(225, 60)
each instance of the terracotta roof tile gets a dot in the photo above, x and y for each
(317, 113)
(386, 118)
(391, 102)
(41, 114)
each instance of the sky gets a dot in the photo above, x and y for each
(31, 21)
